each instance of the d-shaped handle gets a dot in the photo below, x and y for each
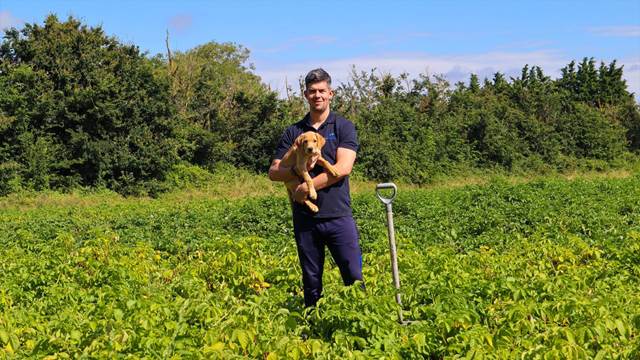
(383, 186)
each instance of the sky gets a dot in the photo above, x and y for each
(451, 38)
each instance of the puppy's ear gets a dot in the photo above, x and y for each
(298, 142)
(321, 140)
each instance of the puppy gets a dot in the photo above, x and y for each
(303, 155)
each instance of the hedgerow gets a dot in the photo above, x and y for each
(78, 108)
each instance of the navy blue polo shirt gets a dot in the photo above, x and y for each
(333, 201)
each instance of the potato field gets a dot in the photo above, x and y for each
(544, 269)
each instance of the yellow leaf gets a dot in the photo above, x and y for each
(219, 346)
(8, 348)
(30, 344)
(489, 339)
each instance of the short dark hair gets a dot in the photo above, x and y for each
(317, 75)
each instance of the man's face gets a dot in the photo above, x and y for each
(319, 96)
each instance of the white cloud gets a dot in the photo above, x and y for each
(632, 75)
(7, 20)
(618, 31)
(454, 68)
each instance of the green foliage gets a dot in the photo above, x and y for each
(596, 87)
(587, 133)
(185, 176)
(83, 109)
(544, 269)
(630, 120)
(80, 109)
(228, 114)
(10, 180)
(402, 147)
(413, 131)
(204, 81)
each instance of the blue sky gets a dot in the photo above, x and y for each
(453, 38)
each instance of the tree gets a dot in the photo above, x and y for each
(92, 102)
(228, 114)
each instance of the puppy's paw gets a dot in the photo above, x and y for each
(313, 207)
(312, 194)
(334, 172)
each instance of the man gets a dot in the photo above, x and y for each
(333, 224)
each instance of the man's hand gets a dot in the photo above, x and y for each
(302, 191)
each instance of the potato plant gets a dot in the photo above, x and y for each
(546, 269)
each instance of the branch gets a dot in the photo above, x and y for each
(171, 68)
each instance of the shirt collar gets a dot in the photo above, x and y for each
(330, 119)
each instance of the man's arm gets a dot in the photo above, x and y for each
(345, 159)
(280, 173)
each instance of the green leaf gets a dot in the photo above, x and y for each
(131, 304)
(243, 338)
(620, 326)
(570, 336)
(4, 336)
(76, 335)
(419, 339)
(118, 314)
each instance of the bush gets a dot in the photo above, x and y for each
(185, 176)
(396, 143)
(85, 109)
(10, 179)
(587, 133)
(630, 120)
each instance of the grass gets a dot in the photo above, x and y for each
(231, 183)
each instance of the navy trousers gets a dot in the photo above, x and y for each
(340, 235)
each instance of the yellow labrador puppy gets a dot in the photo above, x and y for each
(304, 154)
